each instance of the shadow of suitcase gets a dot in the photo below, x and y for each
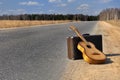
(74, 53)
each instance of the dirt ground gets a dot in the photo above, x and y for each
(81, 70)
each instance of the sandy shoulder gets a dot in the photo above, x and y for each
(80, 70)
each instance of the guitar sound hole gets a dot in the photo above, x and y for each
(95, 53)
(88, 46)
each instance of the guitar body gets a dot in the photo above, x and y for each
(91, 54)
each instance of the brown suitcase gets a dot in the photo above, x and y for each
(74, 53)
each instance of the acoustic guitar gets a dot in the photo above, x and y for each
(89, 52)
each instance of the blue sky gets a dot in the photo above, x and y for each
(90, 7)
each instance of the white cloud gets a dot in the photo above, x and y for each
(21, 10)
(51, 1)
(83, 7)
(51, 10)
(106, 1)
(97, 12)
(62, 5)
(17, 11)
(71, 0)
(13, 11)
(29, 3)
(37, 12)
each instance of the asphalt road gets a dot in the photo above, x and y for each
(36, 53)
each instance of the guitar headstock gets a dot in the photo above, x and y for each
(79, 34)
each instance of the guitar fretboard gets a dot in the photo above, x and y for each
(79, 34)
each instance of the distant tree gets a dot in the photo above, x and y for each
(110, 14)
(49, 17)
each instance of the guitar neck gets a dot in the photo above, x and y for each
(79, 34)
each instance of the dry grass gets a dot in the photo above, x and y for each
(113, 22)
(19, 23)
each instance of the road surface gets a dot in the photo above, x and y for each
(36, 53)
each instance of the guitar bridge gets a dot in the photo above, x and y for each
(95, 54)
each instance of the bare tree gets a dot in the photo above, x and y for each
(110, 14)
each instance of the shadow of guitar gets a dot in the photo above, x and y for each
(110, 55)
(108, 60)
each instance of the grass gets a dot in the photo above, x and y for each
(24, 23)
(113, 22)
